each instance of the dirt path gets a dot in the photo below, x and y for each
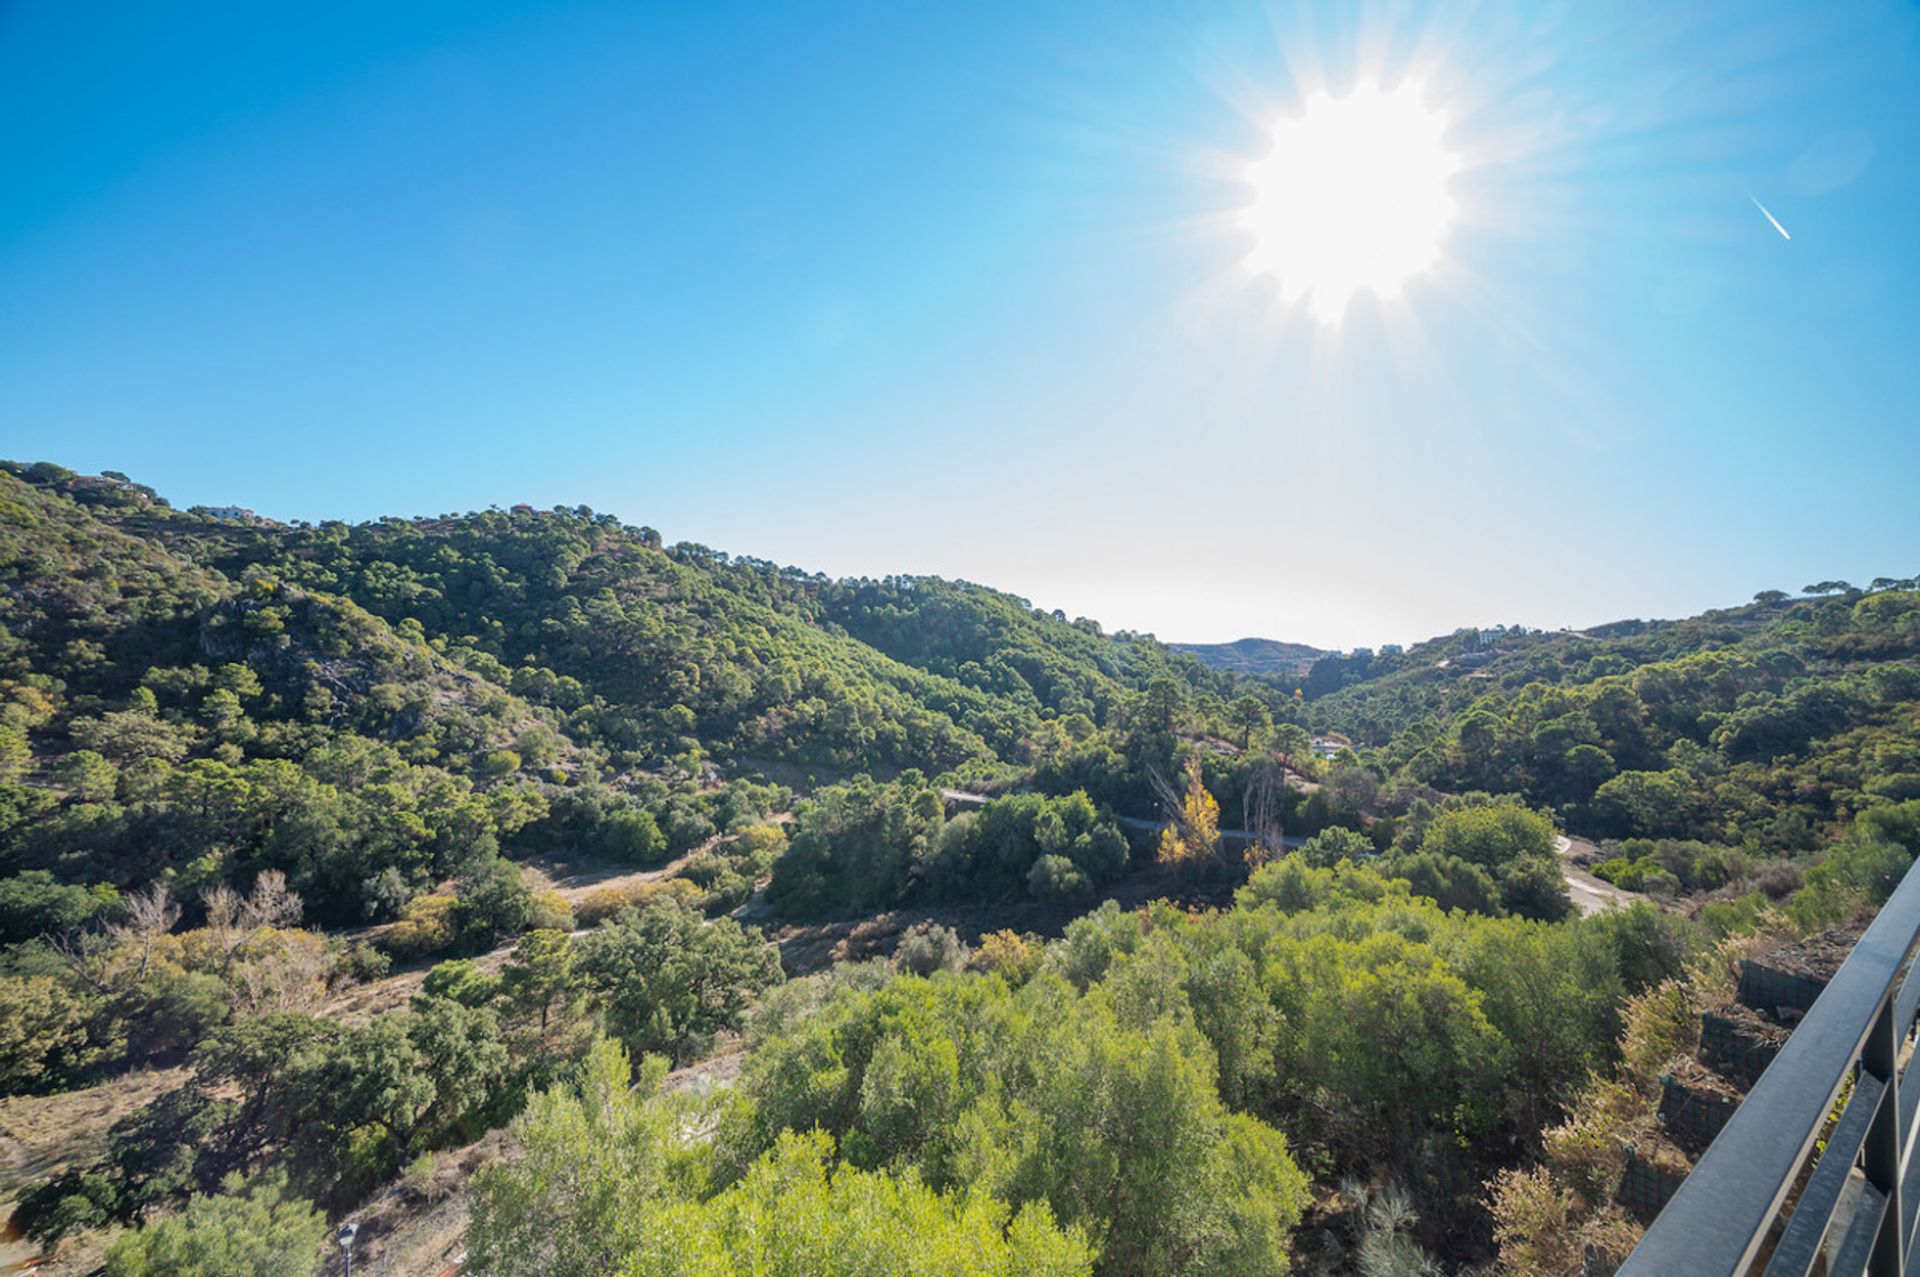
(1591, 895)
(576, 877)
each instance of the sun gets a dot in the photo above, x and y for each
(1352, 196)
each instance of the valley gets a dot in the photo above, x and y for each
(406, 868)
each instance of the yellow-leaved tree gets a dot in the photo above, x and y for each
(1194, 837)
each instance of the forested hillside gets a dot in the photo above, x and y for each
(366, 708)
(1768, 725)
(392, 867)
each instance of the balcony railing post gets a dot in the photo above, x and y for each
(1881, 1153)
(1720, 1219)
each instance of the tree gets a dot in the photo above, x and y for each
(1291, 741)
(1162, 705)
(87, 777)
(1057, 880)
(1587, 767)
(1512, 844)
(596, 1156)
(669, 981)
(994, 853)
(1646, 804)
(1491, 835)
(458, 1048)
(43, 1033)
(540, 976)
(1554, 996)
(257, 1231)
(1448, 881)
(1331, 846)
(494, 902)
(609, 1182)
(33, 903)
(1536, 888)
(796, 1215)
(461, 980)
(373, 1077)
(857, 845)
(1193, 837)
(15, 752)
(1249, 714)
(1388, 1044)
(1038, 1095)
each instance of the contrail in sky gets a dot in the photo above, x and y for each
(1769, 216)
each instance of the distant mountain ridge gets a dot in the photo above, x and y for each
(1255, 656)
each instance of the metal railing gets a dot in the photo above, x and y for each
(1727, 1212)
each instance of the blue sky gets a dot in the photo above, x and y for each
(957, 289)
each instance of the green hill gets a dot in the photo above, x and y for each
(1257, 657)
(1769, 724)
(370, 706)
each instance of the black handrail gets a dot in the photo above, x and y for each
(1726, 1210)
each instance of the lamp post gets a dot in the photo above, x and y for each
(345, 1238)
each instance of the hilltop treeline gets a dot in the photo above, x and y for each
(1767, 726)
(372, 709)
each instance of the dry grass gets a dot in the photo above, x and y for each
(41, 1135)
(417, 1227)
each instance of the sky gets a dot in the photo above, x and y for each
(961, 289)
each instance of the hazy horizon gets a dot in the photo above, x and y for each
(966, 293)
(1289, 634)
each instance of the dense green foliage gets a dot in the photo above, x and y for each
(668, 981)
(257, 1231)
(1037, 1095)
(1153, 1082)
(225, 741)
(1762, 726)
(614, 1180)
(371, 709)
(867, 845)
(340, 1106)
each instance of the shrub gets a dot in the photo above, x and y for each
(927, 947)
(262, 1232)
(429, 925)
(1331, 846)
(1057, 880)
(633, 837)
(1009, 955)
(360, 963)
(600, 904)
(551, 912)
(460, 980)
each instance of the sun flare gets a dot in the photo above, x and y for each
(1352, 196)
